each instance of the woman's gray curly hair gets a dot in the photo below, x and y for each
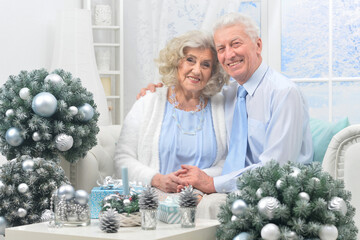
(174, 51)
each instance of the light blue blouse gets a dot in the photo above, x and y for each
(183, 143)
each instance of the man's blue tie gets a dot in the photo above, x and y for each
(235, 159)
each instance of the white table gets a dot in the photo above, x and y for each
(205, 229)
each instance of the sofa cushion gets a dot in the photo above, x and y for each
(322, 132)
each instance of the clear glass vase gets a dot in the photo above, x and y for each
(148, 219)
(70, 213)
(188, 217)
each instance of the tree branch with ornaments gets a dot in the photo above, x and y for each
(290, 202)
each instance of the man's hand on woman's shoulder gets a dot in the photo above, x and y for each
(151, 87)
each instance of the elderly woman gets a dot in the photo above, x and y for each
(182, 123)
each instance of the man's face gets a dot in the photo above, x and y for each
(237, 53)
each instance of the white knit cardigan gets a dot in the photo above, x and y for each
(138, 145)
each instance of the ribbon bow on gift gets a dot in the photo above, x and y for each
(109, 183)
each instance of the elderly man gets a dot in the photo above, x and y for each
(266, 115)
(277, 124)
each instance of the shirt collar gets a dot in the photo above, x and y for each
(254, 81)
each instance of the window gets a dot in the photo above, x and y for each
(320, 51)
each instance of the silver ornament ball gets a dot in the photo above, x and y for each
(87, 112)
(53, 78)
(28, 165)
(279, 183)
(36, 136)
(23, 188)
(44, 104)
(270, 232)
(2, 185)
(24, 93)
(73, 110)
(295, 172)
(234, 218)
(66, 190)
(3, 225)
(304, 196)
(337, 204)
(267, 206)
(13, 137)
(259, 193)
(238, 207)
(242, 236)
(315, 179)
(127, 202)
(328, 232)
(21, 212)
(63, 142)
(292, 236)
(10, 112)
(82, 197)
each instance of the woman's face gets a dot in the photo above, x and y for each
(194, 70)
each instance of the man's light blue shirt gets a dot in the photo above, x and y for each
(278, 123)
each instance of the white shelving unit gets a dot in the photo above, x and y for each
(111, 37)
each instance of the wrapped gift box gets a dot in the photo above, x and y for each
(96, 197)
(169, 211)
(98, 194)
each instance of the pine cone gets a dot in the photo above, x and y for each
(187, 197)
(148, 199)
(109, 221)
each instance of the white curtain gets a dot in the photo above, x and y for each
(74, 52)
(149, 24)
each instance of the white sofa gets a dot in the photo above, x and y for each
(342, 161)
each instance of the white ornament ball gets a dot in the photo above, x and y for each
(82, 197)
(44, 104)
(66, 190)
(24, 93)
(127, 202)
(328, 232)
(238, 207)
(279, 183)
(270, 232)
(21, 212)
(1, 185)
(338, 205)
(3, 224)
(315, 179)
(63, 142)
(28, 165)
(295, 172)
(292, 236)
(234, 218)
(267, 206)
(36, 136)
(54, 78)
(259, 193)
(242, 236)
(304, 196)
(73, 110)
(10, 112)
(13, 137)
(87, 112)
(23, 188)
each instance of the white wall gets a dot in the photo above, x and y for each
(27, 34)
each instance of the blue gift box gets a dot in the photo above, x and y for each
(96, 197)
(98, 194)
(169, 211)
